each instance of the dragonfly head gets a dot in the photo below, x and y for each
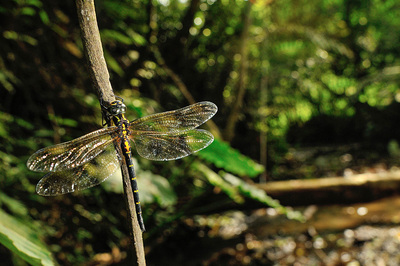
(117, 107)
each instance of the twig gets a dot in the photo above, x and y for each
(93, 50)
(229, 131)
(101, 81)
(182, 87)
(175, 77)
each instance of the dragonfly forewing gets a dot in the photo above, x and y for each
(174, 122)
(71, 154)
(85, 176)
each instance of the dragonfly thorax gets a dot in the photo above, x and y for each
(116, 108)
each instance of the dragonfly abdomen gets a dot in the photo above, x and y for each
(126, 150)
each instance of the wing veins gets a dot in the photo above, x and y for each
(84, 176)
(160, 147)
(174, 122)
(73, 153)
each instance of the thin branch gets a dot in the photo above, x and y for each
(182, 87)
(101, 81)
(174, 77)
(93, 50)
(233, 117)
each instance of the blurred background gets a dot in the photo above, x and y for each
(308, 96)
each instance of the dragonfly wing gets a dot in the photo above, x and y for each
(174, 122)
(71, 154)
(85, 176)
(171, 147)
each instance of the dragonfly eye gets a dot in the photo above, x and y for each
(117, 107)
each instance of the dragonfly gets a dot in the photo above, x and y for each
(89, 160)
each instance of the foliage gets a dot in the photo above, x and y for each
(224, 156)
(316, 72)
(237, 189)
(23, 240)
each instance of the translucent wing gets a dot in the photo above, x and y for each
(71, 154)
(88, 175)
(174, 122)
(171, 147)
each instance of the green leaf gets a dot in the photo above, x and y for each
(12, 35)
(15, 206)
(255, 193)
(35, 3)
(113, 64)
(68, 122)
(63, 121)
(25, 124)
(23, 241)
(216, 180)
(44, 17)
(152, 187)
(223, 156)
(28, 11)
(138, 39)
(251, 191)
(112, 35)
(155, 188)
(236, 188)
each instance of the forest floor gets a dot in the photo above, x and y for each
(359, 233)
(266, 238)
